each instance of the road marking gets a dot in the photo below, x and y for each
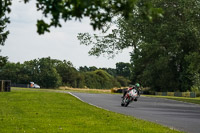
(87, 102)
(76, 97)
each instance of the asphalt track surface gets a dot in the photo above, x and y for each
(174, 114)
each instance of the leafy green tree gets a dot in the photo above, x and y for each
(4, 20)
(43, 72)
(92, 80)
(87, 69)
(10, 71)
(124, 36)
(48, 75)
(93, 68)
(15, 72)
(162, 50)
(108, 81)
(32, 69)
(172, 39)
(68, 73)
(123, 81)
(100, 79)
(98, 11)
(83, 69)
(80, 81)
(193, 70)
(111, 71)
(3, 61)
(123, 69)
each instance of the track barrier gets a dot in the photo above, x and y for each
(177, 94)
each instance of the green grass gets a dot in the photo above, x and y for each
(101, 91)
(23, 110)
(183, 99)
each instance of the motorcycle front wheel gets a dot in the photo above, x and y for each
(125, 102)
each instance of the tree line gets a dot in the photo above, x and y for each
(52, 73)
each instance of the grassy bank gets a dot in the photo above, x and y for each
(183, 99)
(40, 111)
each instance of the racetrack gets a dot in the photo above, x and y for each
(174, 114)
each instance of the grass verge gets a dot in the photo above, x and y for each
(183, 99)
(86, 90)
(68, 89)
(41, 112)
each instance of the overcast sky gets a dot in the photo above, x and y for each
(24, 44)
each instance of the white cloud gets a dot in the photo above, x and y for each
(24, 13)
(25, 44)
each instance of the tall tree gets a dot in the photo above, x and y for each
(168, 42)
(68, 73)
(163, 49)
(48, 74)
(123, 69)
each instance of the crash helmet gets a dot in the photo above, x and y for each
(137, 85)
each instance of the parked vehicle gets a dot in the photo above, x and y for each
(36, 86)
(33, 85)
(130, 96)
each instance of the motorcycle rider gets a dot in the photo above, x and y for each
(136, 87)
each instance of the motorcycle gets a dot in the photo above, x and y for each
(130, 96)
